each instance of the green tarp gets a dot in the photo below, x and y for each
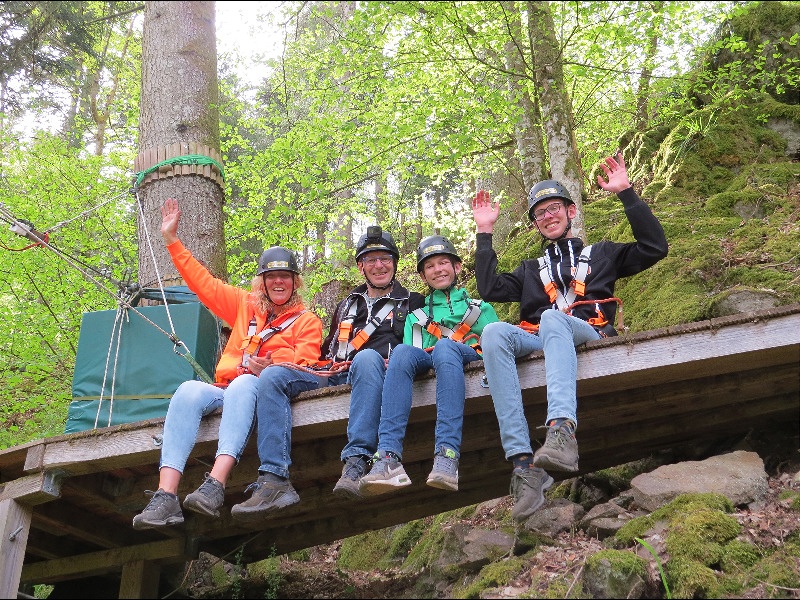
(147, 369)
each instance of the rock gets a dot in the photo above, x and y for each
(789, 130)
(749, 210)
(554, 517)
(739, 476)
(469, 549)
(604, 520)
(739, 301)
(615, 574)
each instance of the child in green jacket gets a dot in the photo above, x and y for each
(444, 335)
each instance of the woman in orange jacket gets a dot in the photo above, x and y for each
(270, 325)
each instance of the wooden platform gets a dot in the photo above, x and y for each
(66, 502)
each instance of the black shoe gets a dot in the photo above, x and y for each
(268, 496)
(354, 469)
(527, 488)
(162, 510)
(206, 499)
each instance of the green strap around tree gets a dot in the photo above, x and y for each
(188, 159)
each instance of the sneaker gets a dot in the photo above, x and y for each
(444, 474)
(268, 496)
(206, 499)
(162, 510)
(354, 469)
(527, 488)
(560, 449)
(386, 474)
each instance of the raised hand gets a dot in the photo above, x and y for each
(170, 217)
(484, 213)
(617, 174)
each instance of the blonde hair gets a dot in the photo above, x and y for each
(261, 302)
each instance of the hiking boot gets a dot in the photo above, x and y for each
(206, 499)
(444, 474)
(268, 496)
(354, 469)
(386, 475)
(527, 488)
(162, 510)
(560, 449)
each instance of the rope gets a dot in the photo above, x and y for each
(620, 321)
(84, 213)
(188, 159)
(335, 369)
(117, 319)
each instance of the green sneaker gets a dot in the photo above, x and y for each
(560, 449)
(527, 488)
(162, 510)
(386, 475)
(444, 474)
(206, 499)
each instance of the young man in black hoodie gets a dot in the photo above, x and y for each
(547, 289)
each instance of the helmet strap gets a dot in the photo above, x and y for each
(266, 292)
(379, 287)
(560, 237)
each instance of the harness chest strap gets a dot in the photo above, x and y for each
(344, 344)
(437, 330)
(253, 342)
(576, 288)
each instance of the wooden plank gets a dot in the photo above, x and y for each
(95, 563)
(15, 522)
(140, 579)
(33, 489)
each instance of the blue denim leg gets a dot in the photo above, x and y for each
(405, 363)
(276, 387)
(191, 402)
(238, 415)
(366, 375)
(502, 344)
(449, 358)
(560, 333)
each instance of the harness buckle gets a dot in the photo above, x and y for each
(359, 339)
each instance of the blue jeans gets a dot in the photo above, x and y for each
(503, 343)
(447, 359)
(192, 401)
(276, 387)
(366, 375)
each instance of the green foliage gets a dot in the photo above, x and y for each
(494, 574)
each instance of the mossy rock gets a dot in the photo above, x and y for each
(780, 568)
(739, 556)
(494, 574)
(691, 579)
(615, 574)
(362, 552)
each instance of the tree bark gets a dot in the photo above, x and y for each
(179, 104)
(555, 105)
(643, 90)
(528, 130)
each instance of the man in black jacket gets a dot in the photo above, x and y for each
(366, 326)
(547, 290)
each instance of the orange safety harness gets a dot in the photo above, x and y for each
(345, 345)
(253, 342)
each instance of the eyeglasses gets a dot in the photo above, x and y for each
(384, 260)
(550, 208)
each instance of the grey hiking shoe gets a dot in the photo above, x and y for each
(268, 496)
(386, 475)
(444, 474)
(560, 449)
(527, 488)
(162, 510)
(206, 499)
(354, 469)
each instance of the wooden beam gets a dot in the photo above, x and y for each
(33, 489)
(15, 522)
(95, 563)
(140, 579)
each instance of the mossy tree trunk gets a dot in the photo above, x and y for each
(179, 103)
(555, 105)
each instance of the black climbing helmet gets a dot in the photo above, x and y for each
(377, 239)
(547, 190)
(277, 258)
(433, 245)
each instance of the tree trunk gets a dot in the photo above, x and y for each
(528, 130)
(643, 90)
(554, 103)
(179, 105)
